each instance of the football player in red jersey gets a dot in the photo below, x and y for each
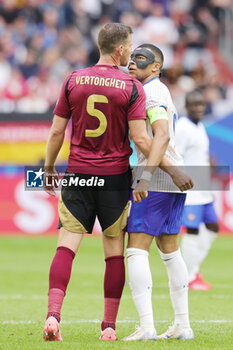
(104, 103)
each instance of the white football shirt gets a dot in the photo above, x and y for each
(157, 95)
(193, 144)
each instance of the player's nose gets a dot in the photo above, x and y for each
(131, 63)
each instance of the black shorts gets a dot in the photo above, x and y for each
(78, 207)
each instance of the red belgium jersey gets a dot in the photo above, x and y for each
(101, 100)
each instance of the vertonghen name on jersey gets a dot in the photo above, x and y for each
(100, 81)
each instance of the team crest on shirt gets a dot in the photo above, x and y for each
(191, 216)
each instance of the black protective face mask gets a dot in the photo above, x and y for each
(150, 57)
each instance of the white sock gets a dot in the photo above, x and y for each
(195, 249)
(206, 238)
(140, 282)
(178, 285)
(191, 252)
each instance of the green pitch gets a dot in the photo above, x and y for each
(24, 267)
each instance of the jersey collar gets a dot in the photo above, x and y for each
(192, 120)
(106, 65)
(151, 80)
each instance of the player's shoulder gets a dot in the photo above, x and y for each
(157, 85)
(187, 122)
(157, 92)
(137, 83)
(186, 125)
(73, 75)
(184, 122)
(83, 71)
(135, 87)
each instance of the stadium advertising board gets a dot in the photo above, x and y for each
(27, 212)
(25, 142)
(35, 212)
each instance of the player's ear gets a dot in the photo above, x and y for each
(156, 67)
(119, 50)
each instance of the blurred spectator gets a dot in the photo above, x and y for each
(48, 86)
(9, 11)
(48, 28)
(7, 105)
(34, 102)
(92, 8)
(30, 66)
(32, 14)
(80, 17)
(42, 41)
(77, 57)
(142, 7)
(134, 20)
(160, 30)
(5, 69)
(178, 83)
(16, 87)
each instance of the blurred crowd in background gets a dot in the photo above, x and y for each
(41, 42)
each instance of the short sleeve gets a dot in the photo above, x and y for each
(156, 99)
(62, 108)
(137, 102)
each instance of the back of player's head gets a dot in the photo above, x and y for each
(112, 35)
(156, 51)
(194, 96)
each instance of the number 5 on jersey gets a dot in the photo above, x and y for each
(94, 112)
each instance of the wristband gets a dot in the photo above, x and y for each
(146, 175)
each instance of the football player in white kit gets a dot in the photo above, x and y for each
(159, 214)
(199, 215)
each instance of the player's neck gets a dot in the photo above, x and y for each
(109, 61)
(194, 120)
(150, 77)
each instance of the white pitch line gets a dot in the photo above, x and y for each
(157, 321)
(100, 296)
(120, 321)
(97, 296)
(20, 296)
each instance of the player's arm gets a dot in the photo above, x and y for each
(137, 118)
(159, 145)
(62, 115)
(182, 140)
(54, 144)
(55, 140)
(139, 135)
(180, 179)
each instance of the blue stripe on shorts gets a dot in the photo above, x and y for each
(160, 212)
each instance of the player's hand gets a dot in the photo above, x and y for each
(50, 181)
(141, 191)
(182, 181)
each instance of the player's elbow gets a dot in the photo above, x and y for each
(56, 132)
(163, 135)
(141, 140)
